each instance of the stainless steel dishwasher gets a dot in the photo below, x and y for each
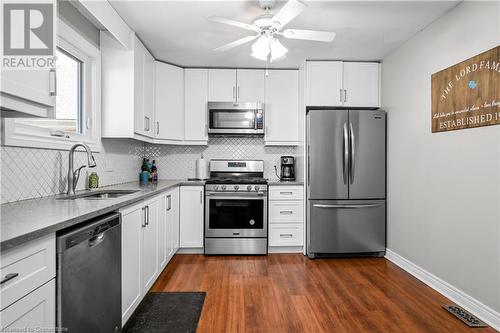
(89, 276)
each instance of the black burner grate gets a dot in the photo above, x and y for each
(465, 316)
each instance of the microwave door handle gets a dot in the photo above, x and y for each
(255, 119)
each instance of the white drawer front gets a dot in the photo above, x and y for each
(286, 192)
(286, 235)
(37, 309)
(33, 262)
(286, 212)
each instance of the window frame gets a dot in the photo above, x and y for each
(24, 135)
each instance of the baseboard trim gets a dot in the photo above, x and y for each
(482, 311)
(190, 250)
(285, 249)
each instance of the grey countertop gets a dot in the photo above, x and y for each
(26, 220)
(279, 182)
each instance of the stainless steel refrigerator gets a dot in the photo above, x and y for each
(346, 171)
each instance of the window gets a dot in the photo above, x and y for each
(77, 105)
(69, 113)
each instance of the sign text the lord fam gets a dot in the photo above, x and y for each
(467, 94)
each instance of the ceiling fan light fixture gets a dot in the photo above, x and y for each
(261, 49)
(278, 51)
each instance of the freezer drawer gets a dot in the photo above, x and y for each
(346, 226)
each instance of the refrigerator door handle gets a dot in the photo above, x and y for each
(345, 156)
(347, 206)
(352, 154)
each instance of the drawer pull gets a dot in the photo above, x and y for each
(9, 277)
(286, 235)
(286, 212)
(286, 193)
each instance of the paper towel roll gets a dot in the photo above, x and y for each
(201, 168)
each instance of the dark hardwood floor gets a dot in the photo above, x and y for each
(290, 293)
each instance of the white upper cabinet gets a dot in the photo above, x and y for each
(29, 93)
(361, 84)
(282, 107)
(347, 84)
(141, 120)
(250, 85)
(149, 90)
(169, 108)
(324, 83)
(195, 105)
(236, 85)
(222, 85)
(127, 84)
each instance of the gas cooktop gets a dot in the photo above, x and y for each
(236, 180)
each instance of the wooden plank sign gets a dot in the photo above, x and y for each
(467, 94)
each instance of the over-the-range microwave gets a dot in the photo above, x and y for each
(230, 118)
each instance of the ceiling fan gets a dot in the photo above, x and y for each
(269, 27)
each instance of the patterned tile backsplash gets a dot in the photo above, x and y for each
(33, 173)
(178, 162)
(28, 173)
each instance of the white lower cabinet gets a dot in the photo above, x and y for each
(191, 216)
(286, 215)
(132, 220)
(35, 310)
(27, 291)
(149, 241)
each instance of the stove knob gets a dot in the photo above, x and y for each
(216, 187)
(256, 188)
(223, 187)
(249, 188)
(236, 187)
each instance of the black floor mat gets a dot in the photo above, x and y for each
(170, 312)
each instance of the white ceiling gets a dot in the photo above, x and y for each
(178, 31)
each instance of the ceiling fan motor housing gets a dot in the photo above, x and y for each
(265, 23)
(266, 4)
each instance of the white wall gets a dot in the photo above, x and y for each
(443, 188)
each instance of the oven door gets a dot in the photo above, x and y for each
(235, 215)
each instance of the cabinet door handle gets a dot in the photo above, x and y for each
(345, 95)
(340, 94)
(286, 212)
(146, 124)
(147, 215)
(201, 197)
(286, 193)
(9, 277)
(238, 93)
(157, 128)
(143, 224)
(53, 82)
(169, 206)
(286, 235)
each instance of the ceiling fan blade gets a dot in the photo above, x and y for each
(233, 23)
(236, 43)
(320, 36)
(288, 12)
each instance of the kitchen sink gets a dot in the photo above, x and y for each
(97, 195)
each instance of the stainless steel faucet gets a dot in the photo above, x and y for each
(74, 175)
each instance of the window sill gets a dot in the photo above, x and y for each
(35, 139)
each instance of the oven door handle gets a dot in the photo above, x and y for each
(236, 197)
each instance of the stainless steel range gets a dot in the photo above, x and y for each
(236, 208)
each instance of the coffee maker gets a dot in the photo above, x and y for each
(287, 168)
